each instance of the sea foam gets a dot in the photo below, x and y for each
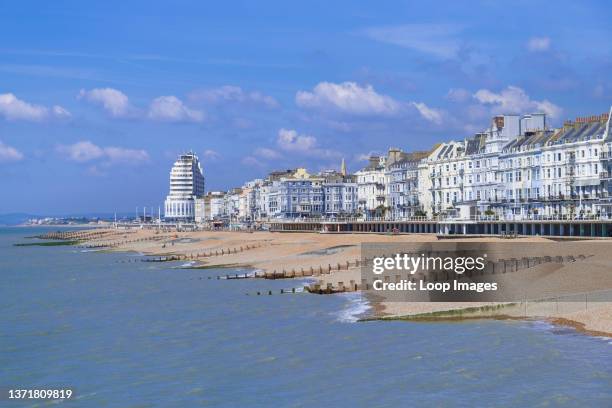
(355, 307)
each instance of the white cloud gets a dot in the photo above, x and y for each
(13, 108)
(230, 93)
(115, 102)
(347, 97)
(9, 154)
(172, 109)
(439, 40)
(127, 156)
(536, 44)
(291, 141)
(340, 126)
(163, 108)
(86, 151)
(458, 95)
(429, 114)
(252, 161)
(81, 151)
(266, 153)
(211, 154)
(515, 100)
(60, 112)
(362, 157)
(289, 144)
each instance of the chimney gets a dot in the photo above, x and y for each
(394, 154)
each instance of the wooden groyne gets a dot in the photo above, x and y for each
(501, 266)
(200, 255)
(312, 271)
(117, 244)
(86, 235)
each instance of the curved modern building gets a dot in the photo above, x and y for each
(186, 185)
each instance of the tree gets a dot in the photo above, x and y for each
(420, 213)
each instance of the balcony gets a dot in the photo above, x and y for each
(605, 155)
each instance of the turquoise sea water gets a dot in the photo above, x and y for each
(148, 335)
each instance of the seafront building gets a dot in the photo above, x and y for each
(186, 186)
(464, 179)
(339, 193)
(402, 182)
(301, 194)
(213, 205)
(371, 188)
(518, 168)
(557, 172)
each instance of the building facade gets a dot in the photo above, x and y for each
(516, 168)
(402, 184)
(371, 188)
(186, 185)
(339, 194)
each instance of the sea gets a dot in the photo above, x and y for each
(125, 333)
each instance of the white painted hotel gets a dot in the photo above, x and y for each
(186, 186)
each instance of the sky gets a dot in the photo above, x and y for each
(98, 98)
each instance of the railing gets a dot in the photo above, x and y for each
(351, 219)
(539, 217)
(605, 155)
(473, 218)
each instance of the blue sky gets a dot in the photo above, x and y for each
(97, 99)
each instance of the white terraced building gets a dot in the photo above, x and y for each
(402, 181)
(186, 185)
(556, 173)
(464, 175)
(339, 193)
(517, 168)
(605, 202)
(371, 190)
